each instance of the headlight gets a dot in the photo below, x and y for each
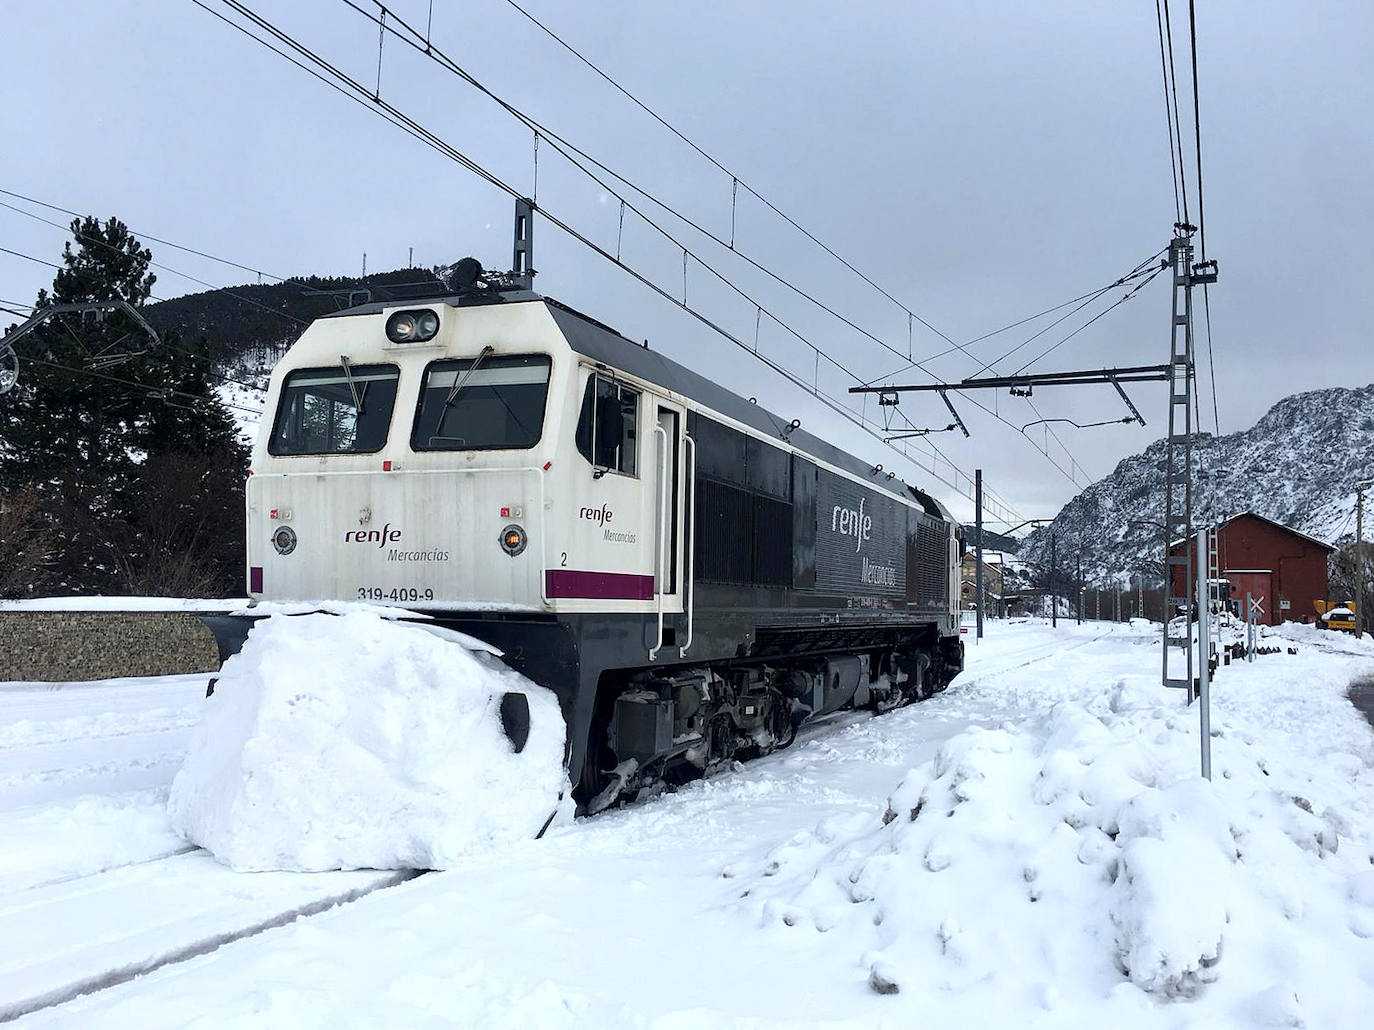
(284, 539)
(412, 326)
(513, 540)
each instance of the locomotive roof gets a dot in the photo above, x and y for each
(600, 342)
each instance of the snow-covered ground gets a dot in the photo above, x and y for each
(1033, 847)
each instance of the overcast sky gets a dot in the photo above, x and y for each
(980, 161)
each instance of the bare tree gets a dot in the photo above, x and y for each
(1344, 574)
(26, 544)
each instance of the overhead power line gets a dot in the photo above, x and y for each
(155, 391)
(736, 181)
(146, 236)
(1201, 220)
(388, 22)
(163, 342)
(30, 257)
(364, 95)
(1197, 130)
(1178, 124)
(1168, 111)
(226, 290)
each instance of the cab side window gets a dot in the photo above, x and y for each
(608, 427)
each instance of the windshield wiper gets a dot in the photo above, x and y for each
(352, 384)
(462, 380)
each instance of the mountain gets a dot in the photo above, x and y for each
(991, 541)
(1298, 465)
(249, 327)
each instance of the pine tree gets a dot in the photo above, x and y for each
(136, 464)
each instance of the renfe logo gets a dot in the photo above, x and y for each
(848, 522)
(380, 537)
(600, 516)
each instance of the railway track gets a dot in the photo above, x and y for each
(84, 934)
(1019, 659)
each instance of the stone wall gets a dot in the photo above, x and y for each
(62, 647)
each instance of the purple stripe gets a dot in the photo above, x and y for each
(621, 586)
(255, 579)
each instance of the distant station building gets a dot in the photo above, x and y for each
(995, 596)
(1284, 570)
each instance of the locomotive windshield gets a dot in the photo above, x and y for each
(482, 403)
(341, 410)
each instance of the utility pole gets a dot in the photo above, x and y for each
(1359, 559)
(1054, 576)
(1178, 450)
(1204, 650)
(1079, 577)
(978, 574)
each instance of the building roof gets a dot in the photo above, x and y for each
(1263, 518)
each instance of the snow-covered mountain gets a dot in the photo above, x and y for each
(1298, 465)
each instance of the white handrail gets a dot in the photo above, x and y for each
(662, 536)
(689, 505)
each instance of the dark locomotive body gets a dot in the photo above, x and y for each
(692, 594)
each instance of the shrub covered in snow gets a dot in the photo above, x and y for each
(351, 742)
(1082, 848)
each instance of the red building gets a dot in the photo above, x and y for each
(1281, 568)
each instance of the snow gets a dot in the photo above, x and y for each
(382, 611)
(121, 604)
(1066, 866)
(354, 742)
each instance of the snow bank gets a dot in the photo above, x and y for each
(1080, 852)
(118, 603)
(351, 742)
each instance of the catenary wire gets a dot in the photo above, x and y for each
(133, 384)
(1006, 328)
(568, 149)
(736, 180)
(1178, 124)
(1135, 273)
(362, 95)
(1201, 220)
(1168, 111)
(146, 236)
(227, 290)
(1120, 300)
(364, 98)
(164, 343)
(390, 22)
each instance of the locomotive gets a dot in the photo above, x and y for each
(693, 576)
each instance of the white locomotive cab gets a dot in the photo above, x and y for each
(482, 468)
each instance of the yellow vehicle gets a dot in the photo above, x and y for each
(1336, 615)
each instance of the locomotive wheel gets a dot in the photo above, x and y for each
(721, 740)
(780, 722)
